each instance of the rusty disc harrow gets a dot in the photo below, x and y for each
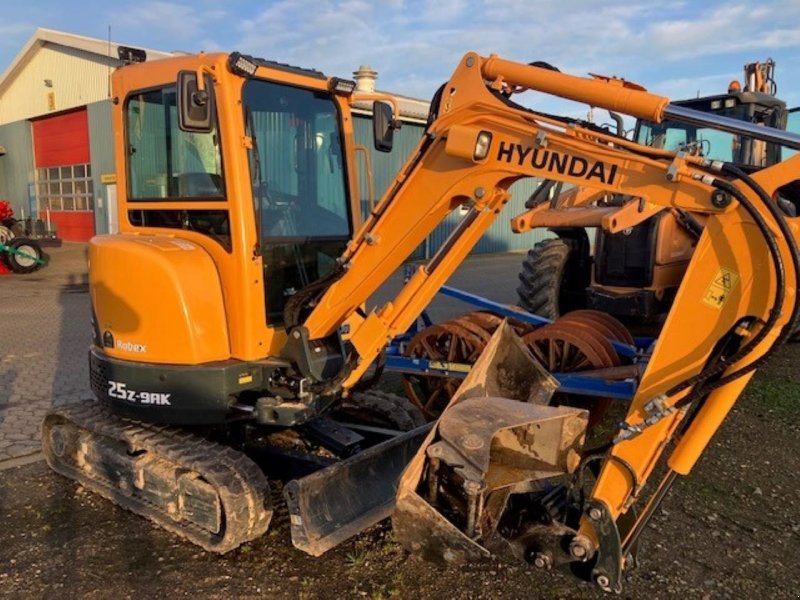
(604, 322)
(571, 346)
(459, 341)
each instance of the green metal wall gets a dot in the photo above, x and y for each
(385, 166)
(17, 171)
(101, 147)
(17, 165)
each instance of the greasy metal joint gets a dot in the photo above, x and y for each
(720, 199)
(603, 582)
(542, 560)
(581, 548)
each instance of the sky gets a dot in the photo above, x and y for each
(673, 47)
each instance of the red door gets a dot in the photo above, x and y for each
(63, 141)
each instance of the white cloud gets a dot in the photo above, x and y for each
(183, 23)
(674, 48)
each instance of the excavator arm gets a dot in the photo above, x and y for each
(445, 173)
(736, 302)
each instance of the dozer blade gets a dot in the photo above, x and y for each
(337, 502)
(497, 438)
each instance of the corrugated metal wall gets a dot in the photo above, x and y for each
(76, 78)
(17, 165)
(101, 147)
(385, 166)
(3, 182)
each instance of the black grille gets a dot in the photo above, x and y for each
(627, 260)
(98, 377)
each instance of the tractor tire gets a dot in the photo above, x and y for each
(17, 228)
(381, 409)
(552, 280)
(24, 264)
(6, 235)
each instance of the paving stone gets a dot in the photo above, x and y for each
(44, 340)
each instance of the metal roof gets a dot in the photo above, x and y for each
(44, 36)
(412, 109)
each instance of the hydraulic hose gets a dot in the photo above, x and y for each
(786, 231)
(776, 310)
(788, 329)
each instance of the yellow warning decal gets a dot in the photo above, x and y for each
(721, 287)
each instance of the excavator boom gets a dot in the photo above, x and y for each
(733, 307)
(233, 298)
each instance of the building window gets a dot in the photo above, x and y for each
(65, 188)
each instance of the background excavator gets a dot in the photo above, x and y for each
(634, 274)
(230, 324)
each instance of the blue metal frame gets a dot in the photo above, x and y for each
(526, 317)
(571, 383)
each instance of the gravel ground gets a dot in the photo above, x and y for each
(731, 530)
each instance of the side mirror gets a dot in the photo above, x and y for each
(195, 105)
(382, 126)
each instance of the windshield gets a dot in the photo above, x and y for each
(299, 186)
(708, 142)
(165, 162)
(301, 183)
(792, 125)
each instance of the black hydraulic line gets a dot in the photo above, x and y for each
(689, 223)
(795, 254)
(788, 235)
(649, 511)
(775, 311)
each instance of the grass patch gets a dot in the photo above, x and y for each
(778, 396)
(357, 559)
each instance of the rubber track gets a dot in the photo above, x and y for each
(400, 411)
(240, 484)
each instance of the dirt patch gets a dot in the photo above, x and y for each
(731, 530)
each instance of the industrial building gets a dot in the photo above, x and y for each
(56, 146)
(55, 126)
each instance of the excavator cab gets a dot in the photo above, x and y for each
(246, 165)
(237, 190)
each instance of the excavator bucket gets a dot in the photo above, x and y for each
(337, 502)
(498, 437)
